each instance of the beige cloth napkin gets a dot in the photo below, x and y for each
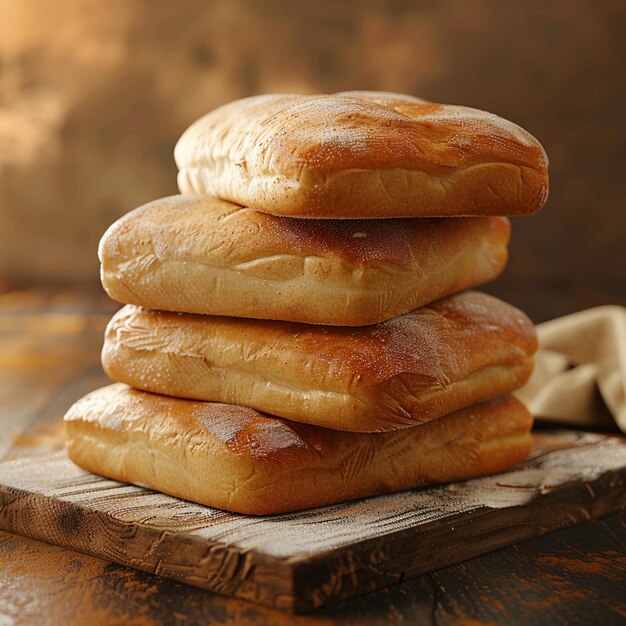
(580, 369)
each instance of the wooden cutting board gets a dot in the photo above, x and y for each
(301, 561)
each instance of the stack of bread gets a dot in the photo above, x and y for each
(297, 329)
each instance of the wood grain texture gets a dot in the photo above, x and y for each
(301, 561)
(575, 575)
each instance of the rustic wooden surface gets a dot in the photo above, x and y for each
(49, 346)
(302, 561)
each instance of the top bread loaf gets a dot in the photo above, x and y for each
(362, 154)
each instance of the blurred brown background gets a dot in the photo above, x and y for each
(94, 94)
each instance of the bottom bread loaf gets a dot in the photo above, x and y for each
(239, 459)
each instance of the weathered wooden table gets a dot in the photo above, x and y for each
(49, 345)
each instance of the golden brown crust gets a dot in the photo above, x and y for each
(238, 459)
(204, 255)
(362, 154)
(452, 353)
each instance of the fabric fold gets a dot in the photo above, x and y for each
(580, 369)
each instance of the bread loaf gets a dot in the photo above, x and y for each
(204, 255)
(449, 354)
(362, 154)
(239, 459)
